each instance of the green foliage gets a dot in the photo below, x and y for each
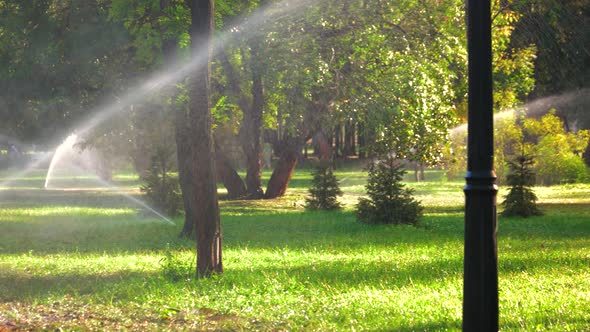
(175, 267)
(559, 30)
(508, 134)
(57, 58)
(508, 140)
(559, 153)
(389, 201)
(325, 190)
(151, 26)
(455, 154)
(521, 199)
(161, 189)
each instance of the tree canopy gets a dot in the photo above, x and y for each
(365, 76)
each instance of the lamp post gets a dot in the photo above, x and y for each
(480, 283)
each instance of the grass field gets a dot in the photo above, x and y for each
(87, 259)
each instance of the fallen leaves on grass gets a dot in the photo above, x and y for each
(69, 314)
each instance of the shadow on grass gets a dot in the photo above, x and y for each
(97, 230)
(89, 231)
(18, 286)
(128, 287)
(37, 180)
(37, 198)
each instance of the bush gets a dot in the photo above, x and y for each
(325, 190)
(389, 201)
(161, 189)
(521, 199)
(556, 164)
(559, 153)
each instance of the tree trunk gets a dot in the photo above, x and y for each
(349, 148)
(361, 141)
(207, 222)
(250, 129)
(322, 146)
(141, 162)
(337, 141)
(251, 125)
(228, 176)
(183, 155)
(422, 177)
(281, 175)
(182, 138)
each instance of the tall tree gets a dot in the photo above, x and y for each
(207, 223)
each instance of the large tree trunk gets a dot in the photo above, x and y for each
(228, 176)
(281, 175)
(207, 220)
(251, 125)
(322, 146)
(184, 157)
(182, 138)
(250, 129)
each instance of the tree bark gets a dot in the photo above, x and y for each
(349, 148)
(207, 222)
(182, 138)
(251, 125)
(141, 162)
(183, 155)
(281, 175)
(250, 129)
(228, 176)
(322, 146)
(361, 141)
(337, 140)
(422, 176)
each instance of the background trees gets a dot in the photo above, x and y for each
(353, 78)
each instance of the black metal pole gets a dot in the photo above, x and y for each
(480, 283)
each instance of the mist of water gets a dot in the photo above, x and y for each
(66, 147)
(71, 159)
(566, 103)
(244, 28)
(135, 200)
(497, 116)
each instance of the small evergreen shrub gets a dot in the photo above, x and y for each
(389, 202)
(325, 190)
(161, 189)
(521, 200)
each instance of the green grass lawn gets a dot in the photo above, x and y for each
(88, 259)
